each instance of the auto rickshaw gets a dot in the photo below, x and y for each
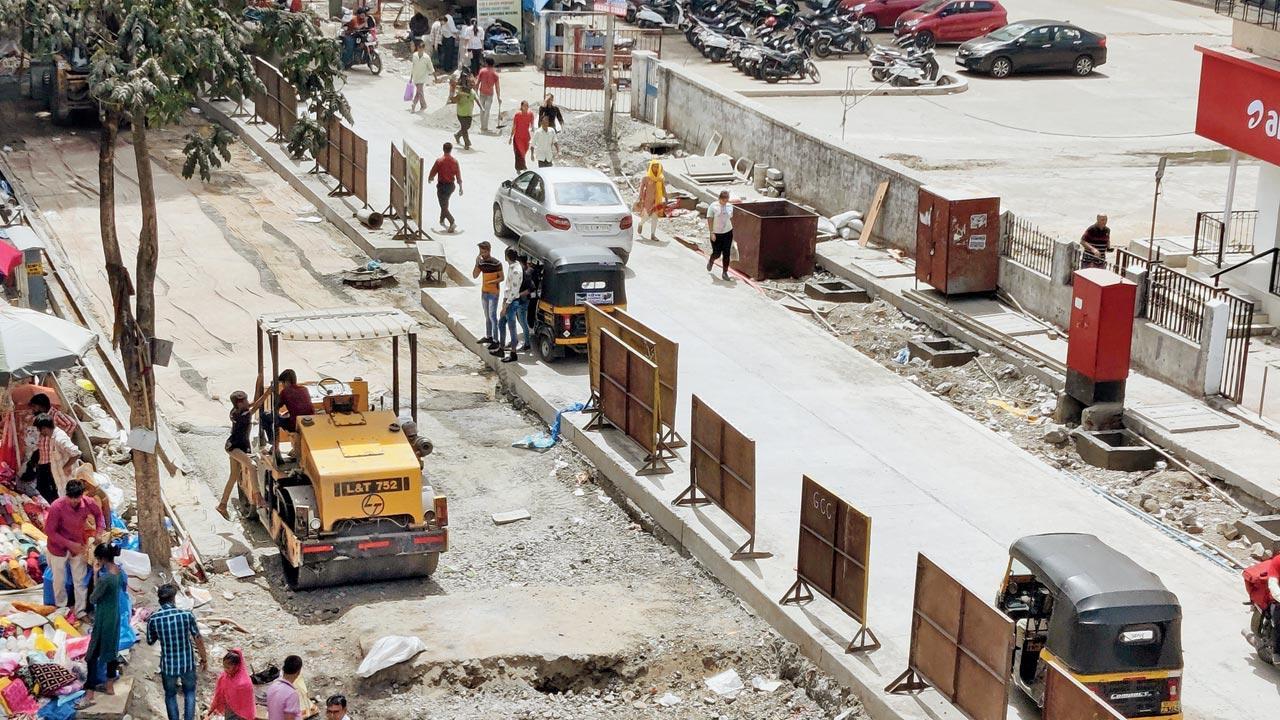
(566, 275)
(1103, 618)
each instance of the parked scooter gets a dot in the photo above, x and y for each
(882, 57)
(654, 13)
(912, 71)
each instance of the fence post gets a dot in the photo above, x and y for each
(1060, 261)
(1213, 343)
(1139, 277)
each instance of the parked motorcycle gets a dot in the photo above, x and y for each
(777, 66)
(847, 41)
(883, 58)
(654, 13)
(1262, 634)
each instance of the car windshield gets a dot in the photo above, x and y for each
(586, 194)
(1009, 32)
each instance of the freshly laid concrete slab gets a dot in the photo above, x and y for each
(513, 622)
(1185, 417)
(1012, 324)
(887, 268)
(510, 516)
(109, 707)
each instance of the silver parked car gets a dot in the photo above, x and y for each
(578, 200)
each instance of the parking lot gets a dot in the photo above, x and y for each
(1056, 148)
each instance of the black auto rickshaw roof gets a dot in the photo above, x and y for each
(557, 249)
(1097, 592)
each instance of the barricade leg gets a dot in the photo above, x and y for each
(908, 682)
(748, 551)
(799, 594)
(863, 641)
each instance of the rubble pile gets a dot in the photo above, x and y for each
(1020, 408)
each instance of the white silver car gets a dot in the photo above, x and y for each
(577, 200)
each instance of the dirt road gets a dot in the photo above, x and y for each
(244, 245)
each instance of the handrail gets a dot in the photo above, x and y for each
(1242, 263)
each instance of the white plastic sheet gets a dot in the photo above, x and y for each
(388, 651)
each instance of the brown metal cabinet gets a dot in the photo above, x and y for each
(775, 238)
(957, 242)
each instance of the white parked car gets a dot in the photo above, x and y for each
(575, 200)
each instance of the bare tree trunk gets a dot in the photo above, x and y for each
(137, 360)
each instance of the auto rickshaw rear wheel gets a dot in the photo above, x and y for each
(548, 351)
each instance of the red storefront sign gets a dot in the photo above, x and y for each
(1239, 102)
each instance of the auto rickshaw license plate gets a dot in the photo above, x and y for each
(595, 298)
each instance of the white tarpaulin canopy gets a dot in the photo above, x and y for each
(338, 324)
(32, 342)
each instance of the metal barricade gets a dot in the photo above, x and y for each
(1024, 243)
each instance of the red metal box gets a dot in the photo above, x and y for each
(1101, 325)
(957, 243)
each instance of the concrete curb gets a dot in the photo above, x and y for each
(827, 655)
(382, 250)
(958, 84)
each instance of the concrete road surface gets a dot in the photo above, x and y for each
(933, 480)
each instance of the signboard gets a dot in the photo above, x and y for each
(413, 185)
(617, 7)
(1239, 104)
(507, 11)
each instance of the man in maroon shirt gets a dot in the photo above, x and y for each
(296, 399)
(447, 175)
(64, 523)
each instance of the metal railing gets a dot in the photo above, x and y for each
(1025, 244)
(1215, 238)
(1175, 301)
(1255, 12)
(1239, 333)
(1273, 286)
(1123, 260)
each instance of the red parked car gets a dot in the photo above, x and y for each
(951, 21)
(874, 15)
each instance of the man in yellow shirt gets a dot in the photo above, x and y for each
(489, 270)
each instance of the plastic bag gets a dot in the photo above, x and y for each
(388, 651)
(136, 564)
(408, 91)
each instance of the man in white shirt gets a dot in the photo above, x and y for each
(434, 36)
(512, 305)
(543, 143)
(335, 708)
(720, 223)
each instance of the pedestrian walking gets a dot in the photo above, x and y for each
(544, 144)
(521, 134)
(233, 695)
(448, 44)
(720, 223)
(466, 99)
(64, 524)
(489, 270)
(335, 708)
(434, 36)
(178, 634)
(102, 662)
(488, 87)
(56, 458)
(513, 305)
(446, 174)
(549, 110)
(282, 696)
(474, 39)
(421, 71)
(1095, 244)
(237, 446)
(652, 202)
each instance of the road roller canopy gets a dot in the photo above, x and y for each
(338, 324)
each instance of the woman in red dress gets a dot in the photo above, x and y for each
(521, 130)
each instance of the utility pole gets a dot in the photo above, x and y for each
(610, 88)
(1155, 202)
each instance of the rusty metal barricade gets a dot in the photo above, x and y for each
(404, 205)
(629, 400)
(346, 159)
(722, 464)
(1066, 698)
(576, 79)
(833, 558)
(960, 646)
(661, 350)
(276, 103)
